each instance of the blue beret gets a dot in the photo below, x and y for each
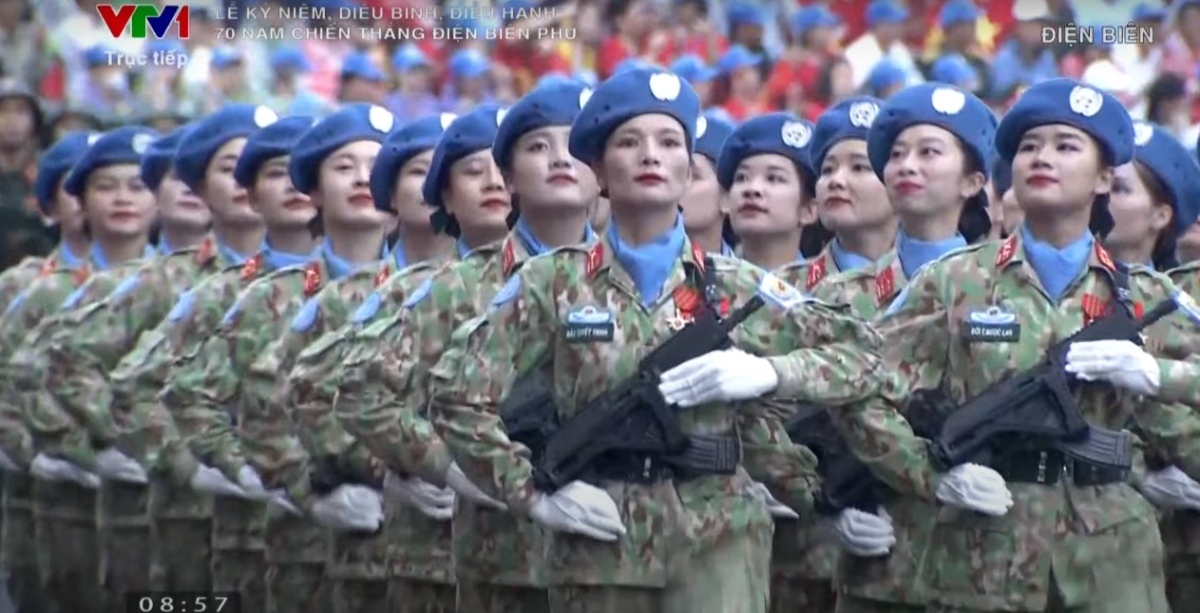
(950, 108)
(849, 119)
(954, 69)
(633, 63)
(360, 66)
(693, 69)
(273, 141)
(398, 148)
(353, 122)
(712, 131)
(124, 145)
(958, 11)
(886, 73)
(161, 155)
(211, 133)
(1069, 102)
(56, 162)
(736, 58)
(781, 133)
(885, 11)
(813, 16)
(554, 103)
(1166, 158)
(628, 95)
(1001, 176)
(738, 13)
(466, 135)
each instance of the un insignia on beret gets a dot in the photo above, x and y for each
(381, 119)
(140, 143)
(701, 126)
(947, 101)
(665, 86)
(795, 134)
(264, 117)
(862, 114)
(92, 138)
(1086, 101)
(447, 119)
(584, 96)
(1142, 133)
(500, 115)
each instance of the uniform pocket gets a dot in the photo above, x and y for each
(969, 559)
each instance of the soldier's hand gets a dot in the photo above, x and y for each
(458, 481)
(975, 488)
(116, 466)
(777, 509)
(580, 508)
(251, 483)
(718, 376)
(350, 508)
(1121, 363)
(432, 501)
(866, 535)
(7, 463)
(211, 480)
(54, 469)
(1171, 489)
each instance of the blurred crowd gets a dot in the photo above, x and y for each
(60, 71)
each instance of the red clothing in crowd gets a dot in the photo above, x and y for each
(695, 44)
(787, 74)
(741, 111)
(529, 60)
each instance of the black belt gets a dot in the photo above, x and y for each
(1047, 467)
(704, 455)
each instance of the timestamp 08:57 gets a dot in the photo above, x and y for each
(183, 602)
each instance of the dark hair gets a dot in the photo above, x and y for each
(824, 85)
(974, 222)
(1166, 88)
(1163, 255)
(618, 9)
(813, 239)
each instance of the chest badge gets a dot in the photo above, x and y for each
(589, 325)
(992, 325)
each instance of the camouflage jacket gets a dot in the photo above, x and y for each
(868, 290)
(1181, 529)
(1062, 530)
(17, 278)
(820, 355)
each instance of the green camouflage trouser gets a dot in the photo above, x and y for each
(69, 552)
(792, 594)
(123, 531)
(481, 597)
(1183, 592)
(415, 596)
(239, 562)
(19, 554)
(297, 588)
(367, 596)
(851, 604)
(180, 537)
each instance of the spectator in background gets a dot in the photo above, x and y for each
(1101, 72)
(747, 24)
(70, 118)
(955, 70)
(361, 80)
(884, 39)
(227, 80)
(1167, 104)
(886, 78)
(286, 92)
(740, 83)
(814, 42)
(960, 34)
(23, 45)
(835, 82)
(161, 87)
(1142, 62)
(1181, 51)
(469, 87)
(414, 97)
(634, 34)
(695, 33)
(75, 27)
(202, 41)
(526, 60)
(699, 75)
(1023, 59)
(105, 87)
(21, 224)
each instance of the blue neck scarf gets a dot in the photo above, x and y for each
(463, 249)
(799, 259)
(845, 260)
(276, 259)
(399, 256)
(164, 247)
(231, 256)
(1056, 268)
(727, 250)
(915, 253)
(537, 247)
(649, 265)
(338, 266)
(100, 261)
(68, 257)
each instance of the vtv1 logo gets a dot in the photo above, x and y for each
(138, 16)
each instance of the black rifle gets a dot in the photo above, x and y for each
(530, 414)
(328, 473)
(1039, 402)
(603, 425)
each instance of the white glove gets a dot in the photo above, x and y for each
(1170, 488)
(116, 466)
(280, 499)
(458, 481)
(432, 501)
(7, 463)
(777, 509)
(252, 484)
(210, 480)
(866, 535)
(1120, 363)
(718, 376)
(580, 508)
(350, 508)
(975, 488)
(54, 469)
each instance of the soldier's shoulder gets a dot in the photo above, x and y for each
(1152, 281)
(966, 260)
(1189, 270)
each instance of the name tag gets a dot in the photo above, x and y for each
(589, 325)
(994, 325)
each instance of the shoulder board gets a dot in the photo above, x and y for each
(898, 302)
(206, 252)
(16, 302)
(418, 295)
(183, 306)
(1187, 305)
(48, 266)
(125, 287)
(234, 313)
(368, 309)
(251, 267)
(307, 315)
(508, 293)
(312, 278)
(724, 263)
(1184, 269)
(959, 251)
(779, 294)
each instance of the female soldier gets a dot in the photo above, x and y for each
(497, 562)
(704, 207)
(331, 161)
(1038, 530)
(181, 489)
(851, 200)
(771, 191)
(686, 536)
(118, 212)
(309, 389)
(931, 146)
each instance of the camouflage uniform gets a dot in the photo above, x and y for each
(1062, 546)
(893, 582)
(21, 556)
(1181, 529)
(180, 517)
(309, 391)
(65, 512)
(83, 349)
(694, 545)
(203, 391)
(375, 388)
(297, 548)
